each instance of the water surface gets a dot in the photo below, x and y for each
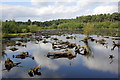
(96, 65)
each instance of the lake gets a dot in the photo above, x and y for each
(96, 64)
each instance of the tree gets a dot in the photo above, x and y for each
(9, 27)
(24, 30)
(114, 25)
(88, 29)
(115, 17)
(32, 28)
(54, 26)
(29, 22)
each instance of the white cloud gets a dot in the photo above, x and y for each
(43, 10)
(18, 11)
(10, 11)
(101, 60)
(101, 9)
(105, 9)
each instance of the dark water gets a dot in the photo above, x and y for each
(95, 65)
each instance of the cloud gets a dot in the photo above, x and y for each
(39, 3)
(12, 11)
(43, 10)
(101, 61)
(18, 11)
(40, 55)
(102, 9)
(105, 9)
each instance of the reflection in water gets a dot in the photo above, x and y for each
(64, 54)
(13, 49)
(111, 58)
(3, 54)
(101, 61)
(34, 71)
(92, 58)
(115, 45)
(103, 42)
(23, 55)
(32, 74)
(9, 64)
(40, 56)
(87, 50)
(84, 50)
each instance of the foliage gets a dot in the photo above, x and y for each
(71, 25)
(99, 18)
(88, 29)
(32, 28)
(114, 25)
(24, 30)
(101, 21)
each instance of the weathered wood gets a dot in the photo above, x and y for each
(34, 71)
(68, 52)
(71, 45)
(9, 64)
(14, 49)
(23, 55)
(71, 37)
(101, 41)
(116, 44)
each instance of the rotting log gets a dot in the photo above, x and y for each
(67, 53)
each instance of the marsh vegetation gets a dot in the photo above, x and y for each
(48, 55)
(74, 48)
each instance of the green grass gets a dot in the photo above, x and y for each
(19, 33)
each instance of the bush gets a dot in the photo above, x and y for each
(114, 25)
(88, 29)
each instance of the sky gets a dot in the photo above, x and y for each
(45, 10)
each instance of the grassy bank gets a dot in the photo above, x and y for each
(14, 34)
(19, 33)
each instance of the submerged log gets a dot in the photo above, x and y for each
(70, 37)
(45, 41)
(64, 42)
(19, 44)
(101, 41)
(9, 43)
(68, 54)
(9, 64)
(59, 47)
(111, 56)
(86, 49)
(54, 38)
(23, 55)
(24, 45)
(115, 45)
(13, 49)
(71, 45)
(85, 40)
(77, 49)
(34, 71)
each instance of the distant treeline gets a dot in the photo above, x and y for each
(101, 21)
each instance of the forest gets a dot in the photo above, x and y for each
(100, 21)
